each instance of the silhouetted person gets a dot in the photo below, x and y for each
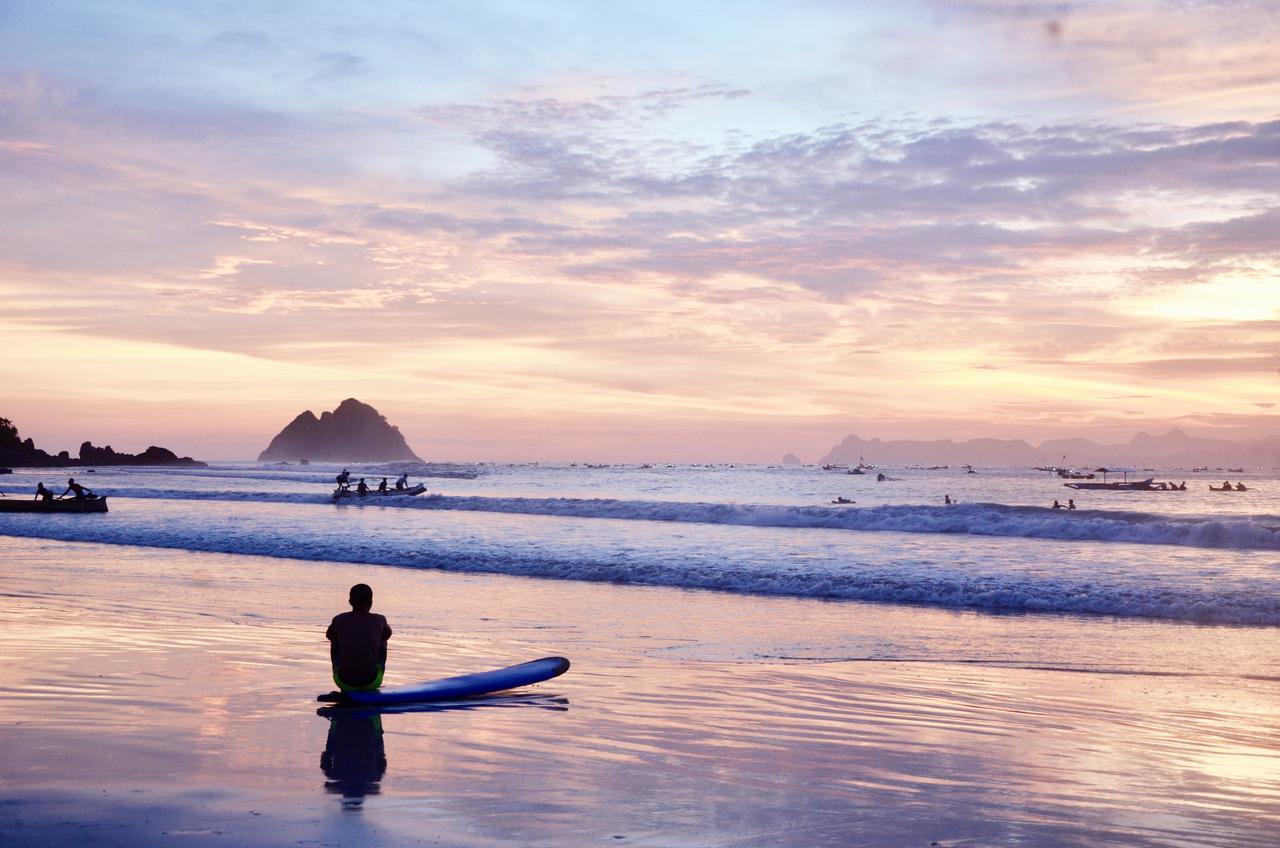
(1240, 487)
(1057, 505)
(344, 480)
(358, 643)
(403, 482)
(42, 494)
(1183, 486)
(1226, 485)
(80, 492)
(362, 488)
(382, 487)
(1071, 504)
(946, 499)
(880, 478)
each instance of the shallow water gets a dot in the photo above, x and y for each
(156, 694)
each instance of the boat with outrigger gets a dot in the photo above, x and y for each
(1123, 485)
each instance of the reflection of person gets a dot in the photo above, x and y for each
(358, 643)
(354, 758)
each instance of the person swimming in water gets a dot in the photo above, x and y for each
(358, 643)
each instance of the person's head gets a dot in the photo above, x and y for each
(70, 480)
(361, 597)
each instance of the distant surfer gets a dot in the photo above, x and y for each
(358, 643)
(344, 480)
(403, 481)
(42, 494)
(74, 488)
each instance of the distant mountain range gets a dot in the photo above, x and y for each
(354, 431)
(1171, 450)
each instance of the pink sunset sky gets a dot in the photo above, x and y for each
(634, 231)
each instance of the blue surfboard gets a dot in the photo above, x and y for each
(465, 686)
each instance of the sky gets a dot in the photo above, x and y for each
(639, 231)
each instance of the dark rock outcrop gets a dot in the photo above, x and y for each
(23, 453)
(353, 432)
(89, 455)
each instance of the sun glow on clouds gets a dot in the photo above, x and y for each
(609, 241)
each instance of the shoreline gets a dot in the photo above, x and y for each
(161, 694)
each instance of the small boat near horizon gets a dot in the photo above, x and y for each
(63, 505)
(348, 495)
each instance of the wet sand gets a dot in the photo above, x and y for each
(167, 698)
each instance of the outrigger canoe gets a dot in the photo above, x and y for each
(96, 504)
(350, 495)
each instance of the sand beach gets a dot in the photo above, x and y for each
(160, 697)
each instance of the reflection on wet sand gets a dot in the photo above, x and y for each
(355, 756)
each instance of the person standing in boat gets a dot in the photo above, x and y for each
(80, 492)
(42, 494)
(403, 481)
(344, 480)
(358, 643)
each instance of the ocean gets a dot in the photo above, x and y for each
(1192, 556)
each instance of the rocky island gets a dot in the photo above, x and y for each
(23, 453)
(354, 431)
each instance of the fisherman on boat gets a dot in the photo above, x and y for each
(843, 500)
(42, 494)
(1057, 505)
(81, 493)
(403, 482)
(1240, 487)
(361, 488)
(382, 487)
(344, 480)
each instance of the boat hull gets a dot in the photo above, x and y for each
(1134, 486)
(71, 505)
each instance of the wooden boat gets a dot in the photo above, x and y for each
(12, 504)
(1227, 489)
(350, 495)
(1147, 485)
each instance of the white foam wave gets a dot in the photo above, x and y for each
(1258, 532)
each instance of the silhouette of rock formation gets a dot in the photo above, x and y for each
(354, 431)
(23, 453)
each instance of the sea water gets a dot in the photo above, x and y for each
(1195, 556)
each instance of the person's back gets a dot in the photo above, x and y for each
(358, 643)
(42, 493)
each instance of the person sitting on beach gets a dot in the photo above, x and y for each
(1071, 504)
(403, 481)
(358, 643)
(361, 488)
(382, 487)
(42, 494)
(80, 492)
(344, 480)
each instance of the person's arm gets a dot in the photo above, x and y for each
(333, 646)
